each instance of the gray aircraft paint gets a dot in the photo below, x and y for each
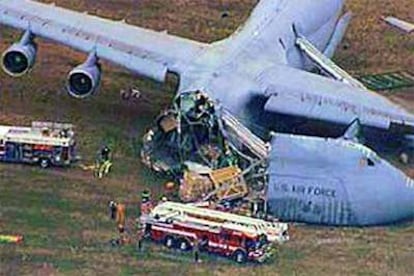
(260, 69)
(327, 181)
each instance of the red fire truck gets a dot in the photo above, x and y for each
(180, 226)
(44, 143)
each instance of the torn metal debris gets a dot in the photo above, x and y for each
(221, 184)
(204, 147)
(400, 24)
(388, 81)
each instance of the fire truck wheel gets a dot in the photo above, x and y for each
(44, 163)
(239, 256)
(169, 242)
(183, 245)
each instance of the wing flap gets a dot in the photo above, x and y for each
(146, 52)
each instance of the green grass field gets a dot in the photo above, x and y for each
(63, 214)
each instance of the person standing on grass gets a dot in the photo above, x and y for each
(196, 250)
(140, 237)
(118, 213)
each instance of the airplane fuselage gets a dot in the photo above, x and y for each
(343, 183)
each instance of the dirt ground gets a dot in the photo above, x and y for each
(63, 213)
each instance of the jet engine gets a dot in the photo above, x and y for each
(84, 79)
(20, 57)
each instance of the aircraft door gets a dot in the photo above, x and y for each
(13, 152)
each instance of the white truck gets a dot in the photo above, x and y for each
(43, 143)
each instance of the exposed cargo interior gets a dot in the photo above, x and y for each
(197, 142)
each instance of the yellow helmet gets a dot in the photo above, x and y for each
(170, 185)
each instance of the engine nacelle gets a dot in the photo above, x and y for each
(19, 58)
(85, 78)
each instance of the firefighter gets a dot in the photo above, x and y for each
(171, 190)
(163, 199)
(140, 237)
(112, 209)
(118, 214)
(120, 220)
(196, 250)
(146, 196)
(146, 203)
(103, 162)
(104, 154)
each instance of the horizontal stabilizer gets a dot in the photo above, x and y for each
(326, 64)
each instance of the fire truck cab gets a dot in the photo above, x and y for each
(44, 143)
(184, 226)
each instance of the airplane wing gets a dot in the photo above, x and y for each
(143, 51)
(299, 93)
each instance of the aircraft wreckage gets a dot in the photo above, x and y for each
(261, 74)
(302, 178)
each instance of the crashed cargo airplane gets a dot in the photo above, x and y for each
(260, 76)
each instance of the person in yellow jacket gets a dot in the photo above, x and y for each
(118, 213)
(103, 162)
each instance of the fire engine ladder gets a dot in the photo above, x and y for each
(213, 215)
(203, 218)
(326, 64)
(251, 141)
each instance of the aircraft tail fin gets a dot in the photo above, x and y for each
(353, 131)
(338, 34)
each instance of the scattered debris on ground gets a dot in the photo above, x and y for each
(388, 81)
(221, 184)
(130, 94)
(399, 24)
(16, 239)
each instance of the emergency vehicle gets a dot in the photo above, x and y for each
(241, 238)
(44, 143)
